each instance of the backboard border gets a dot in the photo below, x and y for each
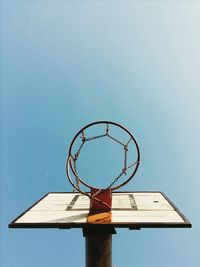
(137, 225)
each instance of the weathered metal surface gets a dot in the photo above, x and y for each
(99, 251)
(102, 217)
(105, 196)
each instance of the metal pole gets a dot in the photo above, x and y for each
(99, 251)
(98, 248)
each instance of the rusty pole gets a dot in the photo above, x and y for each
(98, 247)
(99, 251)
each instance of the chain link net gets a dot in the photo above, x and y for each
(124, 169)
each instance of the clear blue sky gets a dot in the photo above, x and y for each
(65, 64)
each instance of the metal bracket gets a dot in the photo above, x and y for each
(98, 230)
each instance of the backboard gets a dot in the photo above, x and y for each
(133, 210)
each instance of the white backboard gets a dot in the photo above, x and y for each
(129, 209)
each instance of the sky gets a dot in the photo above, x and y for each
(65, 64)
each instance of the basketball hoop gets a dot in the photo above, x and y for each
(101, 197)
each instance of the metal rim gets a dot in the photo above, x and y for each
(69, 160)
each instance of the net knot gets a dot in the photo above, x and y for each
(124, 171)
